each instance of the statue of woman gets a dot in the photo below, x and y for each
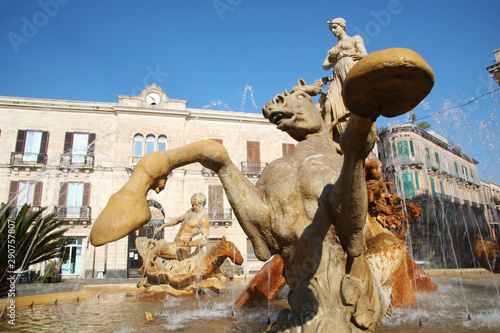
(342, 56)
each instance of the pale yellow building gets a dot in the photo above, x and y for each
(72, 155)
(427, 170)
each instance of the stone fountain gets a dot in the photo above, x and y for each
(310, 207)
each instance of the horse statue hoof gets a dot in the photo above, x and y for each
(389, 82)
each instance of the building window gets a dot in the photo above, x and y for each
(464, 171)
(428, 154)
(78, 147)
(215, 202)
(250, 250)
(433, 188)
(394, 152)
(412, 149)
(287, 148)
(74, 200)
(456, 167)
(73, 250)
(442, 189)
(25, 192)
(437, 159)
(138, 141)
(417, 184)
(408, 186)
(150, 143)
(162, 143)
(31, 147)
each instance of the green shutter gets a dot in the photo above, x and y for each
(404, 153)
(428, 153)
(442, 188)
(456, 168)
(432, 187)
(412, 150)
(437, 159)
(408, 185)
(417, 184)
(394, 153)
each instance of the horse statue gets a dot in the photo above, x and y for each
(184, 277)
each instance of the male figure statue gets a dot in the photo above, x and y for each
(194, 222)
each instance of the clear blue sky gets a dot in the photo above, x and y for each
(209, 51)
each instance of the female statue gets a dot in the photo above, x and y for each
(342, 56)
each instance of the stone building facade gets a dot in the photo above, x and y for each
(427, 170)
(491, 192)
(70, 156)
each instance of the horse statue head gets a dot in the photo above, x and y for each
(226, 249)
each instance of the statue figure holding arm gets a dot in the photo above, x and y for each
(194, 222)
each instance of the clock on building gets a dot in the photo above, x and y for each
(153, 99)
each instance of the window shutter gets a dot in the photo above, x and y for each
(14, 189)
(287, 148)
(43, 148)
(63, 197)
(216, 200)
(91, 146)
(85, 200)
(37, 198)
(21, 134)
(63, 194)
(68, 142)
(253, 151)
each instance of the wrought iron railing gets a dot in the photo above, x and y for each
(77, 160)
(252, 168)
(74, 214)
(28, 158)
(220, 214)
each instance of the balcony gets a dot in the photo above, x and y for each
(220, 217)
(76, 161)
(433, 165)
(74, 215)
(252, 168)
(28, 159)
(412, 160)
(31, 209)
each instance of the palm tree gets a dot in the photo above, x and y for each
(31, 237)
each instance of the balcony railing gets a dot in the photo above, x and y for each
(220, 217)
(433, 165)
(220, 214)
(74, 214)
(252, 168)
(30, 210)
(17, 159)
(401, 160)
(80, 161)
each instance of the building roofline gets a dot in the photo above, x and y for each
(417, 130)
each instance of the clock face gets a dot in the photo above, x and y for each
(153, 99)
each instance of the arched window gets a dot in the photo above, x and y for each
(162, 143)
(150, 143)
(138, 142)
